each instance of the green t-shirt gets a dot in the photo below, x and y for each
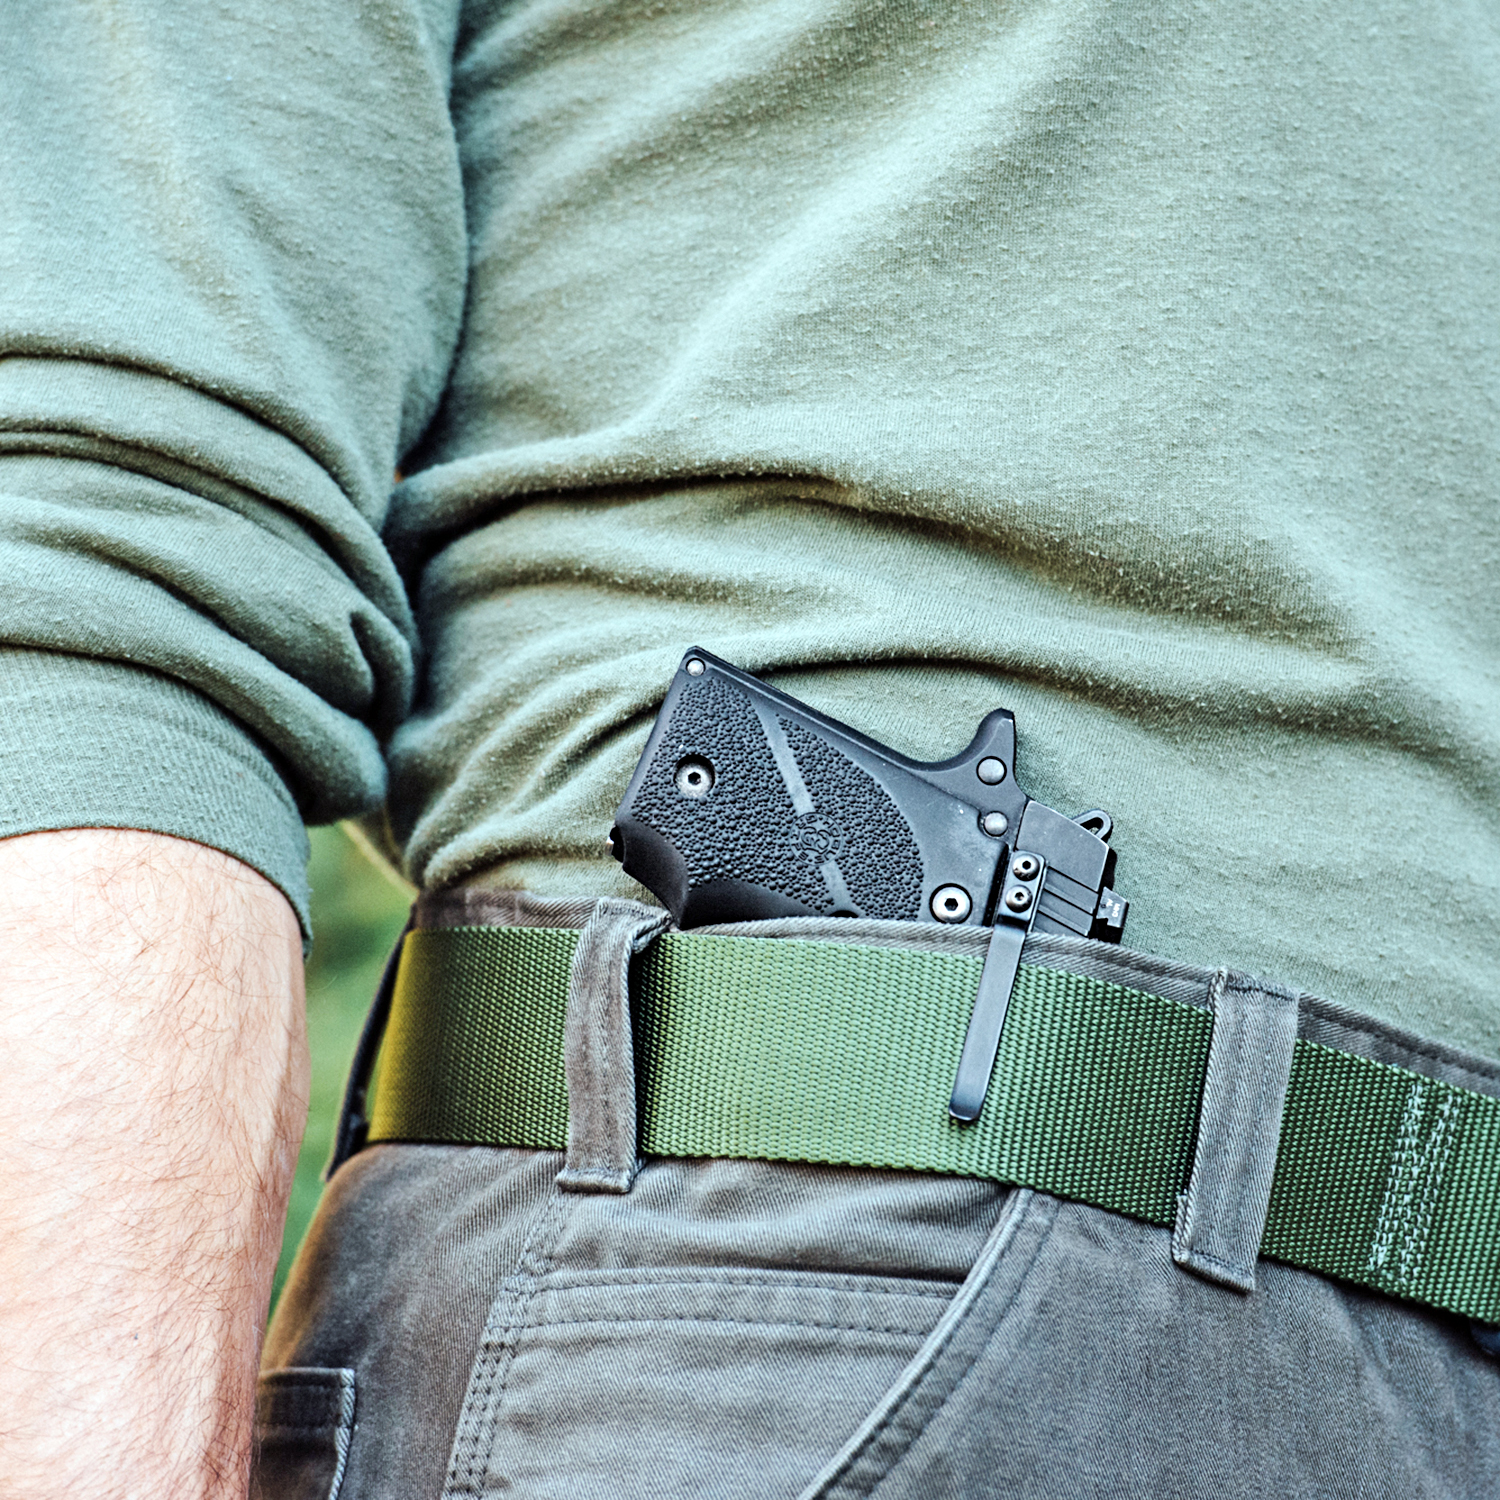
(1132, 366)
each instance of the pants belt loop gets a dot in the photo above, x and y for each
(599, 1048)
(1222, 1215)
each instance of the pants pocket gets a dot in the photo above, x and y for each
(694, 1382)
(1080, 1363)
(304, 1419)
(690, 1381)
(943, 1362)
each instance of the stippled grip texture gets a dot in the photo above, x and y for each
(878, 856)
(803, 828)
(743, 830)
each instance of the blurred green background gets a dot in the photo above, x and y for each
(358, 908)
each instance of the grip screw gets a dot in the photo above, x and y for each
(991, 770)
(693, 667)
(950, 903)
(695, 777)
(994, 823)
(1025, 866)
(1018, 898)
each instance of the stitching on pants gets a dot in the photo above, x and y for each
(1204, 1257)
(832, 1480)
(1185, 1228)
(479, 1415)
(1000, 1316)
(648, 1277)
(902, 1328)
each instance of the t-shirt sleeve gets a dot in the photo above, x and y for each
(232, 264)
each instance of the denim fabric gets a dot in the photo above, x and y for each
(736, 1328)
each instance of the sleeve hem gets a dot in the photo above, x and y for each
(86, 743)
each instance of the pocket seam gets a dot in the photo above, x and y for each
(544, 1323)
(832, 1479)
(772, 1276)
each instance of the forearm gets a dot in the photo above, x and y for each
(154, 1094)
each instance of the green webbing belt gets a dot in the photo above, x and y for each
(835, 1052)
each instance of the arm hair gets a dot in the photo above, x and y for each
(153, 1092)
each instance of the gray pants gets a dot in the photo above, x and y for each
(457, 1325)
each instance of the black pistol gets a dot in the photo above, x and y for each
(748, 804)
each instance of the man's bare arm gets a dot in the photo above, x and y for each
(153, 1088)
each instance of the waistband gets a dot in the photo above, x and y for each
(1251, 1119)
